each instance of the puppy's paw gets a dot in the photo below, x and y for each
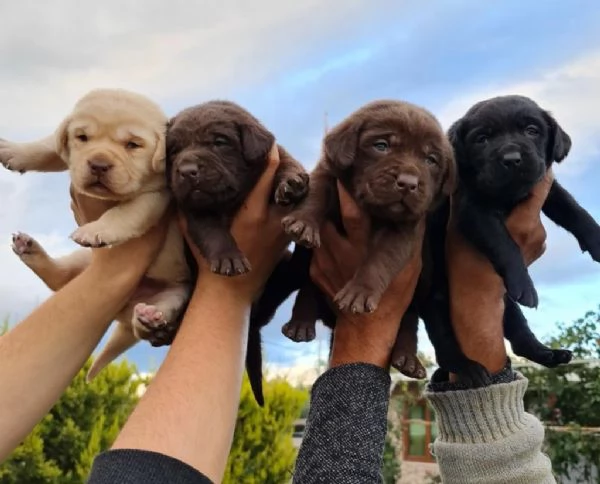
(25, 246)
(520, 288)
(292, 191)
(357, 298)
(11, 157)
(299, 331)
(230, 264)
(149, 323)
(551, 358)
(95, 235)
(303, 232)
(408, 364)
(592, 245)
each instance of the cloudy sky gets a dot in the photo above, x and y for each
(288, 63)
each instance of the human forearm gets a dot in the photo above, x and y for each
(175, 417)
(43, 353)
(485, 435)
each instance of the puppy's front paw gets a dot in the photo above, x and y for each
(408, 364)
(592, 246)
(230, 264)
(303, 232)
(357, 298)
(520, 288)
(11, 158)
(149, 323)
(299, 331)
(292, 191)
(95, 235)
(24, 245)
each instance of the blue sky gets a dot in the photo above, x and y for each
(289, 64)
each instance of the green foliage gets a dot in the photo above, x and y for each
(391, 462)
(83, 422)
(569, 396)
(262, 451)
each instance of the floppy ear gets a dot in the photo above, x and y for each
(341, 143)
(160, 155)
(61, 136)
(256, 141)
(455, 135)
(450, 177)
(559, 142)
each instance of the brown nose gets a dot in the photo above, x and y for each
(189, 172)
(99, 166)
(407, 182)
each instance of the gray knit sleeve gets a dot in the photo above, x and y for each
(346, 427)
(486, 436)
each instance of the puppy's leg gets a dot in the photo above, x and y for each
(404, 354)
(291, 180)
(301, 326)
(35, 156)
(488, 233)
(388, 255)
(217, 245)
(125, 221)
(524, 342)
(121, 339)
(303, 224)
(54, 272)
(157, 321)
(563, 210)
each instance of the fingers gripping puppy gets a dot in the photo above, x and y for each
(113, 144)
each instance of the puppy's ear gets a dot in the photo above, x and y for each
(456, 134)
(256, 141)
(160, 155)
(61, 136)
(559, 142)
(450, 176)
(341, 143)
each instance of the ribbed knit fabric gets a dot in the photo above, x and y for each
(486, 437)
(346, 427)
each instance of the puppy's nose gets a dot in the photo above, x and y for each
(189, 172)
(407, 182)
(99, 166)
(511, 159)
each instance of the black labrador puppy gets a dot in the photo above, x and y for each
(503, 147)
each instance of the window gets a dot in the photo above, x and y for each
(418, 431)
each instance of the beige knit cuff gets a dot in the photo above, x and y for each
(480, 415)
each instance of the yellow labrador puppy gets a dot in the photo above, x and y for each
(113, 144)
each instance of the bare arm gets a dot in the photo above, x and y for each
(34, 156)
(43, 353)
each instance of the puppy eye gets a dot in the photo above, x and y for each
(82, 137)
(532, 131)
(221, 141)
(431, 160)
(132, 145)
(381, 145)
(482, 139)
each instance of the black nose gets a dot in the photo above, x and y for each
(511, 159)
(407, 182)
(98, 167)
(189, 172)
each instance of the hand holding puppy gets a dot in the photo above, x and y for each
(366, 338)
(476, 290)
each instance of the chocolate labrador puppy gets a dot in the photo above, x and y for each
(216, 152)
(503, 147)
(395, 160)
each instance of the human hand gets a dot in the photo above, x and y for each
(369, 337)
(258, 233)
(477, 291)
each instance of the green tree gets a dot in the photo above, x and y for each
(83, 422)
(262, 451)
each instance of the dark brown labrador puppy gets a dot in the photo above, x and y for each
(216, 152)
(395, 160)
